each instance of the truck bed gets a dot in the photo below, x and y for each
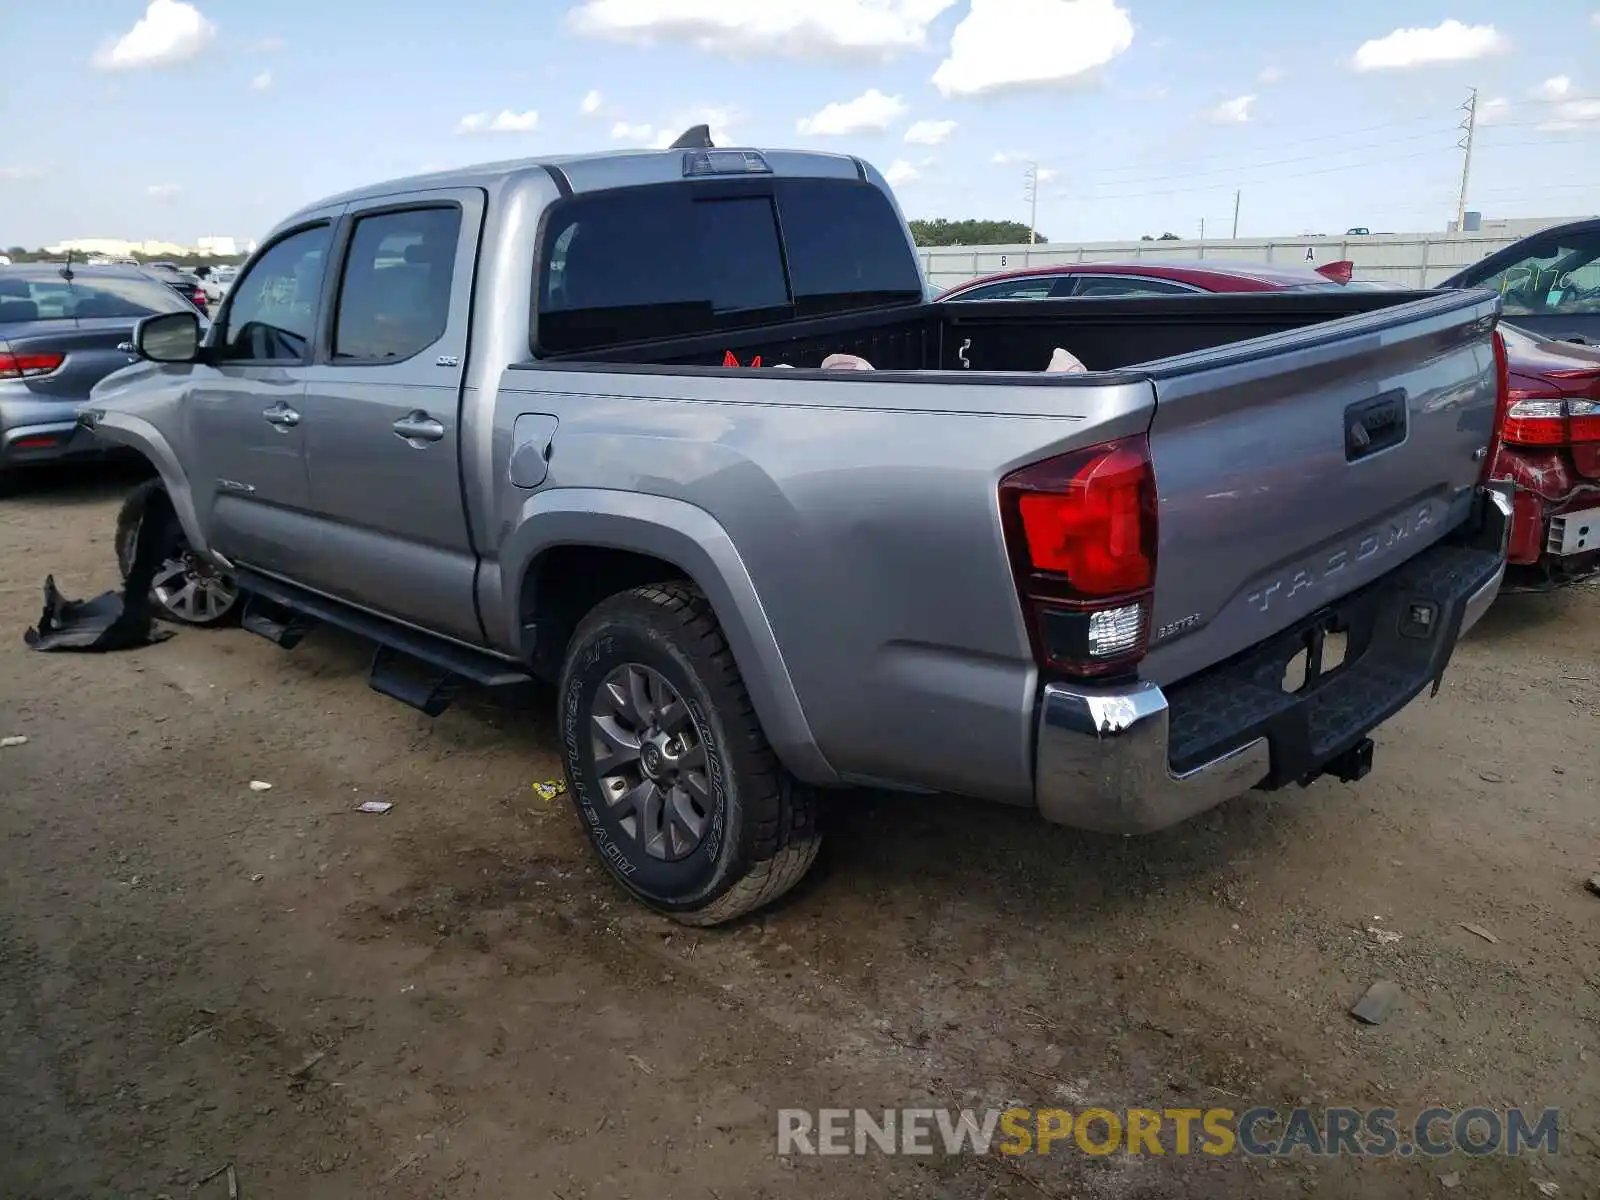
(1016, 335)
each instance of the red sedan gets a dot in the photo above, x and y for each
(1551, 448)
(1106, 281)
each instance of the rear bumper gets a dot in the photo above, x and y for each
(1136, 758)
(47, 442)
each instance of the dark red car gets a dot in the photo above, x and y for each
(1551, 449)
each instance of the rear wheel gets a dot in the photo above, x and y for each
(187, 589)
(671, 774)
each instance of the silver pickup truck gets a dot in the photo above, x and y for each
(534, 420)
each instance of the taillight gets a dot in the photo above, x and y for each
(1340, 272)
(28, 365)
(1502, 405)
(1081, 531)
(1545, 419)
(200, 297)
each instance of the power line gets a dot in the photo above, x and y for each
(1339, 170)
(1283, 162)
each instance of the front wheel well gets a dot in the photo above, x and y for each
(565, 583)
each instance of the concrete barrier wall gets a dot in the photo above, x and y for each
(1417, 260)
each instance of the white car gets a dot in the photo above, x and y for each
(217, 282)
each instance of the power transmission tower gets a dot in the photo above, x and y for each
(1469, 128)
(1030, 193)
(1236, 196)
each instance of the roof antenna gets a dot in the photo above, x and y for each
(66, 270)
(697, 137)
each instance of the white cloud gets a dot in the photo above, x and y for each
(23, 173)
(163, 191)
(930, 133)
(856, 28)
(1002, 157)
(1554, 89)
(624, 131)
(1573, 114)
(721, 121)
(506, 122)
(1449, 41)
(1559, 111)
(1270, 76)
(268, 45)
(591, 103)
(1046, 174)
(900, 173)
(1008, 44)
(170, 32)
(261, 82)
(870, 112)
(1595, 20)
(1492, 111)
(1231, 112)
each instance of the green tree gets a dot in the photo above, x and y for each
(943, 232)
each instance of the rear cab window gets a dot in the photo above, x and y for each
(683, 259)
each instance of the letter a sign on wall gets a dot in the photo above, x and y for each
(1311, 254)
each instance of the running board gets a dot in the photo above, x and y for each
(279, 625)
(415, 667)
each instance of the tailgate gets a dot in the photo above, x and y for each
(1296, 468)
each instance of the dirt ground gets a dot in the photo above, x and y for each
(450, 1001)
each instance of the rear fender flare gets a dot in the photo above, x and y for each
(692, 540)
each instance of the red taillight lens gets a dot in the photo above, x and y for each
(1551, 419)
(200, 297)
(1081, 529)
(1084, 517)
(1502, 405)
(28, 365)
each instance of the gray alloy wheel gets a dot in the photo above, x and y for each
(192, 591)
(187, 589)
(649, 754)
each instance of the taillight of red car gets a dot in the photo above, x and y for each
(199, 298)
(1081, 532)
(1558, 409)
(28, 365)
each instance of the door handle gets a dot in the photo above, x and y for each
(282, 416)
(417, 426)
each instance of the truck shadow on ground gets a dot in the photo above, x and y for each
(1515, 614)
(994, 857)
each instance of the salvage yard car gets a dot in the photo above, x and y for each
(63, 328)
(532, 420)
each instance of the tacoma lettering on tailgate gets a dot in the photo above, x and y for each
(1393, 532)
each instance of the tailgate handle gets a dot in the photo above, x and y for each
(1374, 425)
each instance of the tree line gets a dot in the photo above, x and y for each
(21, 254)
(943, 232)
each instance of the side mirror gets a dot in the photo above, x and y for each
(168, 337)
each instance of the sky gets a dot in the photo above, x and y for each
(172, 119)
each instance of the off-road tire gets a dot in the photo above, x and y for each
(763, 836)
(149, 499)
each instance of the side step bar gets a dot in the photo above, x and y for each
(409, 665)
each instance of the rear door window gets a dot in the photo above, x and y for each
(679, 260)
(1106, 287)
(394, 300)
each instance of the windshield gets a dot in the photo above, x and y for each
(85, 298)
